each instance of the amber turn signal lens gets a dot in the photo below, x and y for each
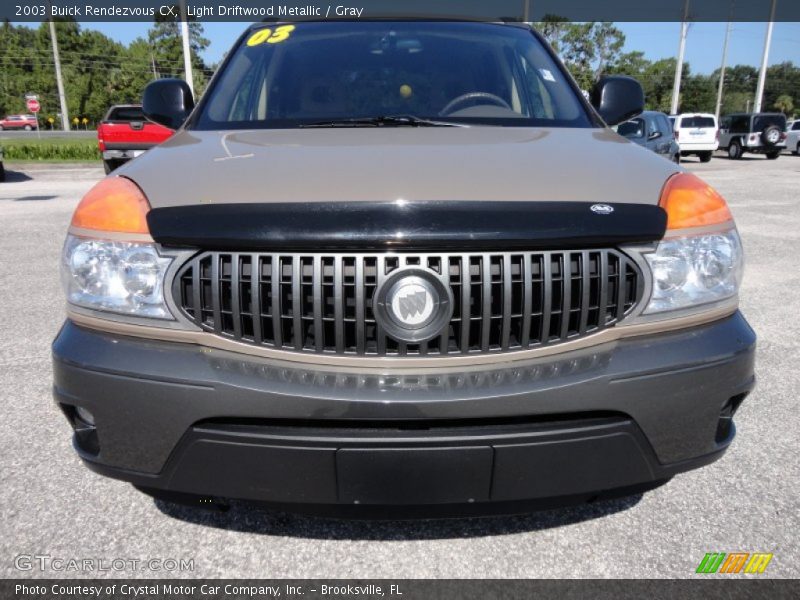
(691, 202)
(114, 204)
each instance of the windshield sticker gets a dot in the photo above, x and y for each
(268, 36)
(547, 75)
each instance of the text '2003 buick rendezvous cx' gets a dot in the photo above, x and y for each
(400, 264)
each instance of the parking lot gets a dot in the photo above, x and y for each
(749, 501)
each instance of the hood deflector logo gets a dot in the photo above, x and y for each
(602, 209)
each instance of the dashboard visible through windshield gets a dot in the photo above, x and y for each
(390, 74)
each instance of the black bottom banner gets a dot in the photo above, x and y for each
(376, 589)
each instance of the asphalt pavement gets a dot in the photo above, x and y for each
(51, 505)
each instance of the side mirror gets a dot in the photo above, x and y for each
(617, 98)
(167, 102)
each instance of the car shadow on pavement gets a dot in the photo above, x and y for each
(35, 198)
(16, 176)
(744, 158)
(252, 519)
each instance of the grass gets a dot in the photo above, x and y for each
(50, 149)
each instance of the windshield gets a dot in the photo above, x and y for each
(313, 73)
(631, 129)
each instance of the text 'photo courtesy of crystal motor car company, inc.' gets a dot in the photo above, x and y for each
(414, 327)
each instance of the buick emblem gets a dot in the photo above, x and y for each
(413, 305)
(602, 209)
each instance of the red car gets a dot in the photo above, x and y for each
(124, 134)
(26, 122)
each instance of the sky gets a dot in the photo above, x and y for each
(656, 40)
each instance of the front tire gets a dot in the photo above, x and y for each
(705, 156)
(735, 150)
(28, 128)
(796, 151)
(2, 172)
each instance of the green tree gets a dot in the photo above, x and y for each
(698, 94)
(97, 71)
(783, 79)
(656, 77)
(18, 63)
(608, 42)
(552, 27)
(167, 50)
(633, 64)
(579, 52)
(784, 104)
(587, 49)
(740, 78)
(733, 102)
(126, 84)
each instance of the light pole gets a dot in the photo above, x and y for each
(62, 98)
(187, 56)
(762, 76)
(676, 87)
(722, 68)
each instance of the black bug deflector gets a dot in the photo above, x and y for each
(375, 225)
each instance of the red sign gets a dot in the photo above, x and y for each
(33, 106)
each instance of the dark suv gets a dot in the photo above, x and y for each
(759, 133)
(406, 263)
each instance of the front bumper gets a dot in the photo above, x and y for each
(184, 418)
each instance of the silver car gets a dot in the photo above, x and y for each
(793, 137)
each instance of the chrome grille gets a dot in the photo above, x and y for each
(323, 303)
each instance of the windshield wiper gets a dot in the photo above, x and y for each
(383, 121)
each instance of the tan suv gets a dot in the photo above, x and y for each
(400, 264)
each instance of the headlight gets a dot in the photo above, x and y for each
(124, 277)
(695, 269)
(120, 277)
(700, 259)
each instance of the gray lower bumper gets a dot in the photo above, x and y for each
(192, 419)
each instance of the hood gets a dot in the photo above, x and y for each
(387, 164)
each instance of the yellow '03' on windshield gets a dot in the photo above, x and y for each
(268, 36)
